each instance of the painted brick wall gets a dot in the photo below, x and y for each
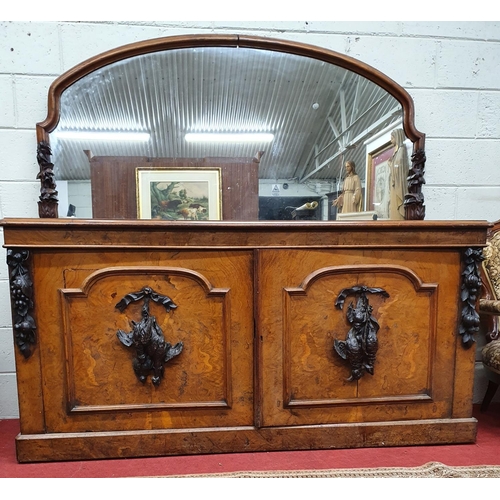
(451, 69)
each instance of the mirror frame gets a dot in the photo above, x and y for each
(48, 201)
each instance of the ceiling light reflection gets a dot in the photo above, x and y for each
(229, 137)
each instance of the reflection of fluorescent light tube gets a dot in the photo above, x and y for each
(103, 136)
(231, 137)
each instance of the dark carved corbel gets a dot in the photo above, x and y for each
(360, 347)
(471, 284)
(414, 200)
(47, 206)
(152, 351)
(21, 294)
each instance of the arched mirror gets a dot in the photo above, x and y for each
(229, 128)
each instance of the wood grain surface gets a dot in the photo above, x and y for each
(256, 315)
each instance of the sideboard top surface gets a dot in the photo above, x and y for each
(91, 233)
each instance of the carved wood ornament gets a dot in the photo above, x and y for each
(414, 200)
(152, 351)
(47, 206)
(21, 292)
(491, 254)
(471, 284)
(360, 347)
(490, 304)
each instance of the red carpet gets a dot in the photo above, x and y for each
(483, 452)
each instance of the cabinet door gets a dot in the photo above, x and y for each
(89, 305)
(412, 296)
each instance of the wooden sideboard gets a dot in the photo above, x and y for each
(254, 318)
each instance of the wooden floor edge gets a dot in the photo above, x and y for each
(155, 443)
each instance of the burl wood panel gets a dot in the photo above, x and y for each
(208, 384)
(159, 442)
(304, 380)
(113, 180)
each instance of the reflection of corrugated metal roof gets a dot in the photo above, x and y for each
(314, 109)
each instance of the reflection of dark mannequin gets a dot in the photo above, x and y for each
(399, 168)
(350, 198)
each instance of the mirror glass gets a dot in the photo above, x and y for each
(292, 134)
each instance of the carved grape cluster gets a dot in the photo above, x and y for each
(21, 292)
(471, 284)
(19, 300)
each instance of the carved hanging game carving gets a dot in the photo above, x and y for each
(47, 206)
(21, 293)
(360, 347)
(152, 350)
(471, 284)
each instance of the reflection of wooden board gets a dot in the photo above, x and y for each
(113, 181)
(357, 216)
(255, 312)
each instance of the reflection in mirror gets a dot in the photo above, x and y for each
(316, 116)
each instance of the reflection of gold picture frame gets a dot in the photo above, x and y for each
(377, 180)
(178, 193)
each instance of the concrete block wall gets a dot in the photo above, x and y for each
(451, 69)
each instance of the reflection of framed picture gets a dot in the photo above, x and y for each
(178, 194)
(377, 180)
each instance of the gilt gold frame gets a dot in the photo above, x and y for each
(179, 193)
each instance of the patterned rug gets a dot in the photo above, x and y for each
(429, 470)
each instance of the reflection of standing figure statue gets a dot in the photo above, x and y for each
(399, 166)
(350, 200)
